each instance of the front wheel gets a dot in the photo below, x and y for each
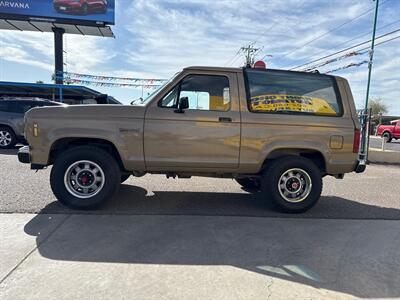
(84, 177)
(7, 138)
(387, 136)
(293, 184)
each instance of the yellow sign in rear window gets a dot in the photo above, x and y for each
(291, 103)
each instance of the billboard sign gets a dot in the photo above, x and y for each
(86, 12)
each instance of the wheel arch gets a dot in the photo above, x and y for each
(8, 126)
(314, 155)
(386, 131)
(63, 144)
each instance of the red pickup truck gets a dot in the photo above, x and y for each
(390, 131)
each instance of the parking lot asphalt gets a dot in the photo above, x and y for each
(371, 195)
(198, 238)
(376, 142)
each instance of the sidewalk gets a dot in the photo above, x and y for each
(196, 257)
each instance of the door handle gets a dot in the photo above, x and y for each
(225, 120)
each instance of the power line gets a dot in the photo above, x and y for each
(383, 42)
(331, 30)
(344, 50)
(277, 23)
(231, 60)
(257, 39)
(361, 35)
(341, 57)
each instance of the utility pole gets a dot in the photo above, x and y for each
(58, 55)
(371, 53)
(250, 53)
(365, 136)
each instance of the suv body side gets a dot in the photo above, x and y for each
(237, 141)
(198, 141)
(265, 136)
(12, 117)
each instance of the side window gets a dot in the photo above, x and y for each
(170, 99)
(206, 92)
(292, 92)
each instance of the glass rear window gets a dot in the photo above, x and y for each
(274, 91)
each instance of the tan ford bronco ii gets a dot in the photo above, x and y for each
(275, 132)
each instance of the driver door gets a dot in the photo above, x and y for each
(205, 135)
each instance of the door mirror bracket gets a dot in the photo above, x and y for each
(182, 105)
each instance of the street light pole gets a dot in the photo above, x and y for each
(371, 53)
(58, 55)
(365, 123)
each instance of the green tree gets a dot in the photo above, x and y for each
(39, 81)
(378, 108)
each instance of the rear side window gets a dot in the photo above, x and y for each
(292, 93)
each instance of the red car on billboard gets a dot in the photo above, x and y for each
(81, 7)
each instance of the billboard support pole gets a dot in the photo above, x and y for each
(58, 55)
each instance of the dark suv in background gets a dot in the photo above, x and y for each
(12, 112)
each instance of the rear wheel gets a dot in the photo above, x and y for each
(249, 183)
(84, 177)
(7, 138)
(387, 136)
(293, 184)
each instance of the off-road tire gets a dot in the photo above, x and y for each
(107, 163)
(11, 134)
(271, 179)
(248, 183)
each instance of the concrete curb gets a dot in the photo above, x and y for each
(388, 156)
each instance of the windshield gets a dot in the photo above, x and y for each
(143, 102)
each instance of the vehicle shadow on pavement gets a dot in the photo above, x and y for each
(359, 258)
(135, 200)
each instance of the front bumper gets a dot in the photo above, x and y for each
(24, 155)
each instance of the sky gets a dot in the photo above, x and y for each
(157, 38)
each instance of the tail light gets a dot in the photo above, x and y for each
(357, 140)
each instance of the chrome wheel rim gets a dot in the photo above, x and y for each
(84, 179)
(5, 138)
(295, 185)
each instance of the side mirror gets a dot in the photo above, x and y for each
(137, 100)
(182, 104)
